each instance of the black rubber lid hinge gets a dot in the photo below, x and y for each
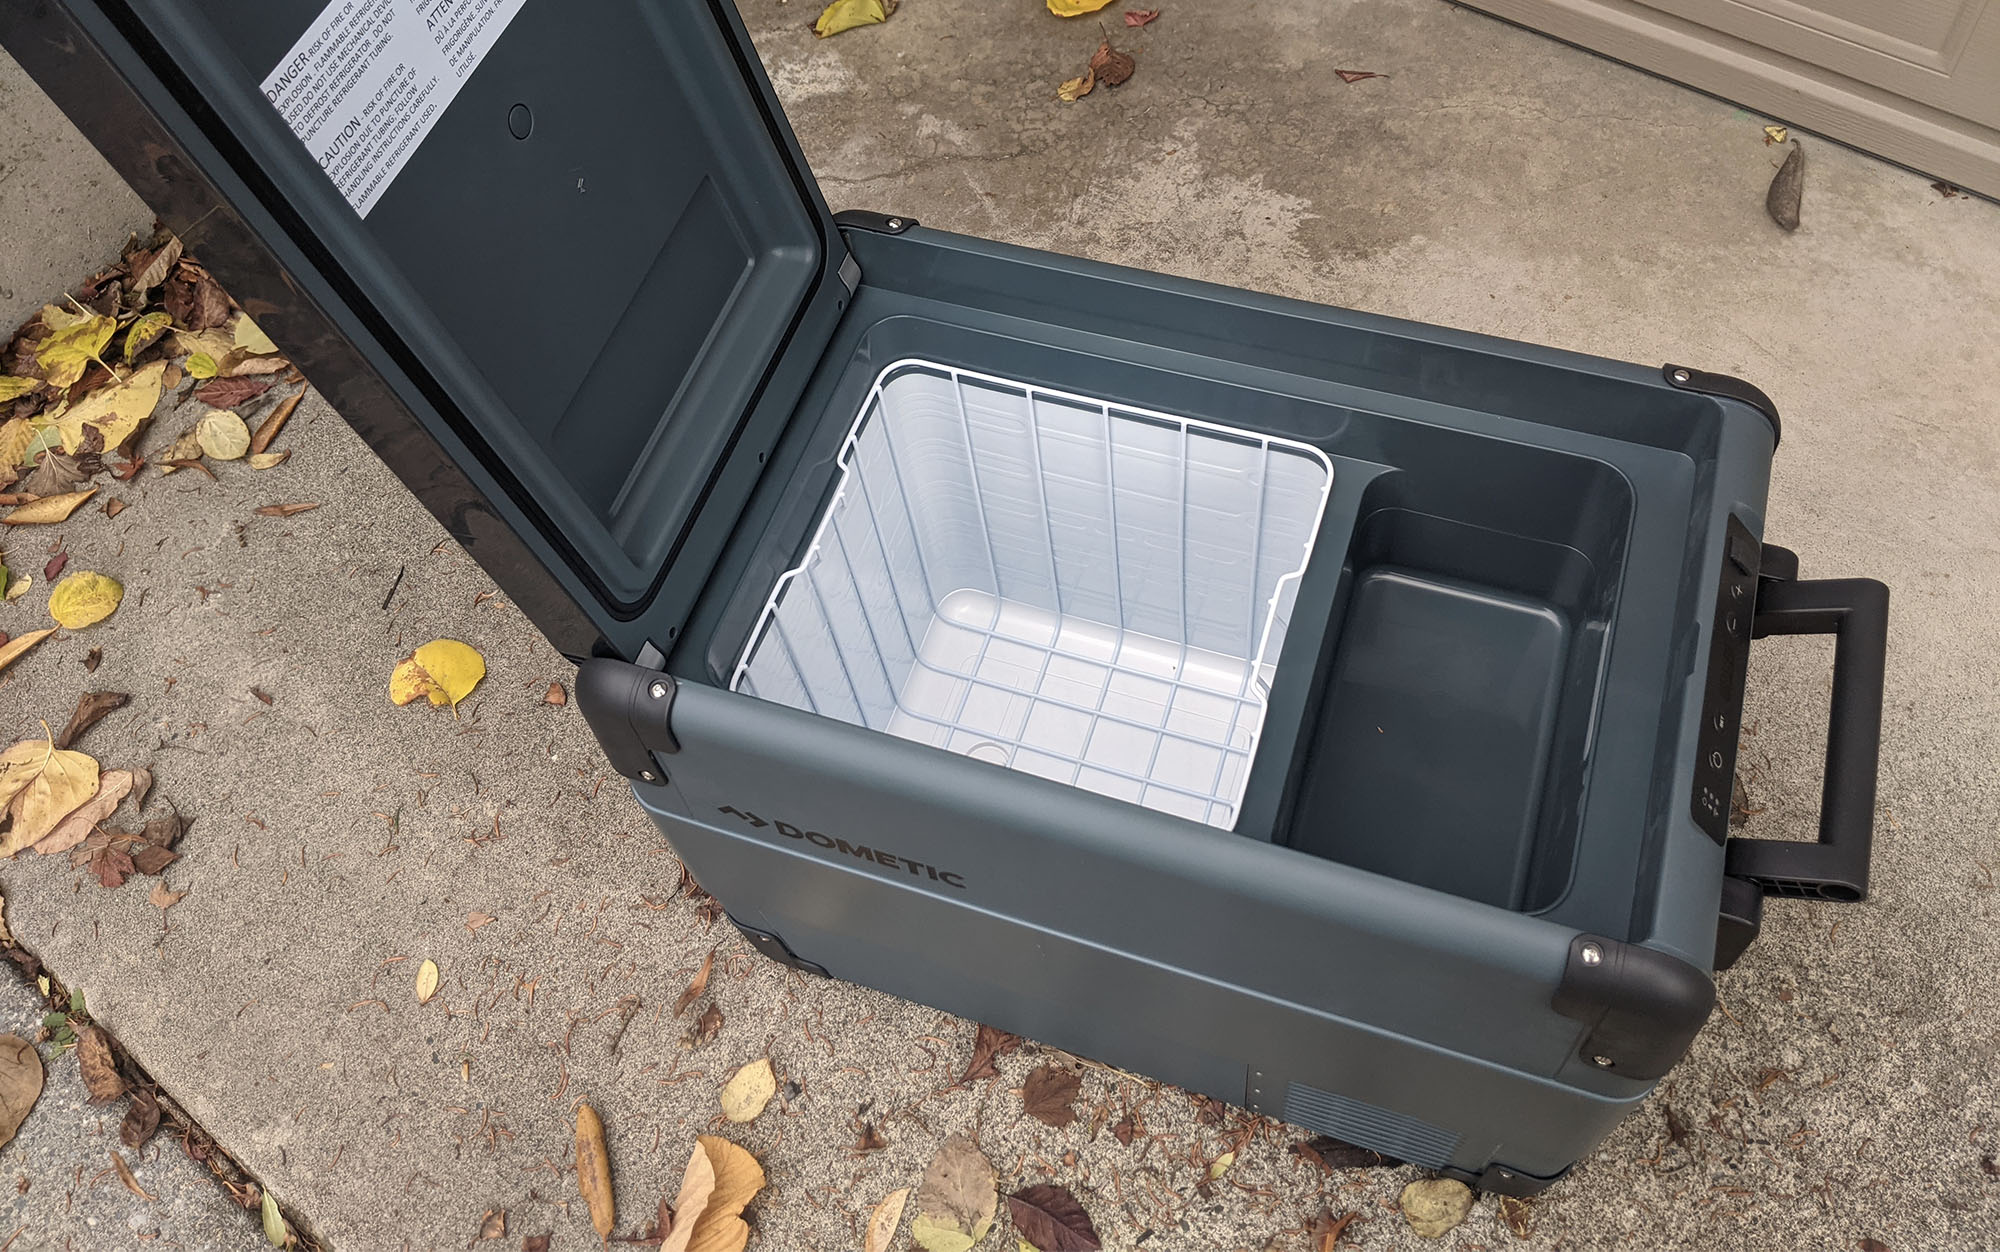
(1686, 378)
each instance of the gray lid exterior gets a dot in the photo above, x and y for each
(597, 312)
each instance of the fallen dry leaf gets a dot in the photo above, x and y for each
(535, 1243)
(697, 1184)
(444, 670)
(17, 586)
(1433, 1206)
(70, 349)
(125, 1176)
(1518, 1215)
(847, 14)
(263, 696)
(73, 829)
(91, 659)
(473, 921)
(1071, 90)
(427, 981)
(54, 475)
(13, 648)
(42, 785)
(54, 568)
(1111, 66)
(144, 333)
(84, 598)
(285, 510)
(492, 1225)
(705, 1028)
(956, 1199)
(227, 393)
(141, 1119)
(20, 1083)
(738, 1179)
(248, 336)
(555, 695)
(49, 509)
(1052, 1219)
(593, 1171)
(1047, 1094)
(1141, 17)
(696, 985)
(99, 1068)
(1775, 134)
(988, 1045)
(268, 429)
(1326, 1230)
(1331, 1154)
(268, 460)
(1787, 190)
(163, 899)
(882, 1222)
(1075, 8)
(276, 1233)
(153, 859)
(111, 866)
(113, 507)
(745, 1095)
(115, 413)
(222, 435)
(1220, 1165)
(1355, 76)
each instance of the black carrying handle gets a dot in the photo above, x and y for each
(1856, 612)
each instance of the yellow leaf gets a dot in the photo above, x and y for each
(63, 356)
(145, 332)
(443, 669)
(427, 981)
(13, 648)
(1075, 8)
(186, 448)
(1220, 1165)
(56, 317)
(46, 784)
(13, 387)
(214, 344)
(16, 433)
(697, 1184)
(1077, 88)
(17, 586)
(222, 435)
(1776, 134)
(738, 1179)
(84, 598)
(268, 460)
(116, 411)
(246, 335)
(883, 1221)
(939, 1234)
(48, 509)
(593, 1171)
(745, 1095)
(201, 365)
(847, 14)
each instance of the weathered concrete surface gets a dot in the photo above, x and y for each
(57, 1188)
(1496, 182)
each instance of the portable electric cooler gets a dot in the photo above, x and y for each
(1332, 714)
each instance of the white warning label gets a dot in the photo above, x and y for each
(369, 78)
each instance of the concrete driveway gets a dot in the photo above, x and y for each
(1494, 181)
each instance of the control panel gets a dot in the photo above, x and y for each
(1728, 668)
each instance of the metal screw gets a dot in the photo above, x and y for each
(647, 775)
(1592, 954)
(658, 691)
(1681, 376)
(1602, 1062)
(895, 223)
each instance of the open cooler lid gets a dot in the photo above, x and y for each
(585, 237)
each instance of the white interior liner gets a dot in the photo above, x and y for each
(1093, 593)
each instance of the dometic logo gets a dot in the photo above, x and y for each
(879, 857)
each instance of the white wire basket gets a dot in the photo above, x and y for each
(1093, 593)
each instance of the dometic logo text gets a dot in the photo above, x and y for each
(879, 857)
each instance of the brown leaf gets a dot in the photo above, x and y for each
(152, 858)
(125, 1176)
(161, 898)
(593, 1171)
(705, 1028)
(555, 695)
(1111, 66)
(1872, 1245)
(20, 1083)
(1047, 1094)
(268, 429)
(202, 304)
(1989, 1166)
(958, 1187)
(55, 566)
(535, 1243)
(110, 866)
(697, 986)
(1677, 1129)
(54, 475)
(113, 507)
(492, 1226)
(162, 831)
(150, 269)
(227, 393)
(194, 463)
(1326, 1229)
(100, 1070)
(141, 1119)
(1355, 76)
(1787, 189)
(1141, 17)
(91, 708)
(284, 510)
(1050, 1217)
(1210, 1110)
(1074, 89)
(871, 1140)
(112, 786)
(473, 921)
(261, 694)
(123, 473)
(1331, 1154)
(987, 1046)
(1946, 190)
(93, 659)
(1518, 1215)
(1126, 1130)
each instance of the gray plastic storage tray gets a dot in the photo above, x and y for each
(1092, 593)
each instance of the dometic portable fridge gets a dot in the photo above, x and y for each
(1328, 713)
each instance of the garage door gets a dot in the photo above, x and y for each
(1916, 81)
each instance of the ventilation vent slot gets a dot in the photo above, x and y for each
(1365, 1126)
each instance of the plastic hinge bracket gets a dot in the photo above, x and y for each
(1723, 386)
(630, 710)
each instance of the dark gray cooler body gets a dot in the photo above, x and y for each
(1332, 714)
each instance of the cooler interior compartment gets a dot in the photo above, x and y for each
(1452, 738)
(1089, 592)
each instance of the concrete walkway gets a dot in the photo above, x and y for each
(1497, 182)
